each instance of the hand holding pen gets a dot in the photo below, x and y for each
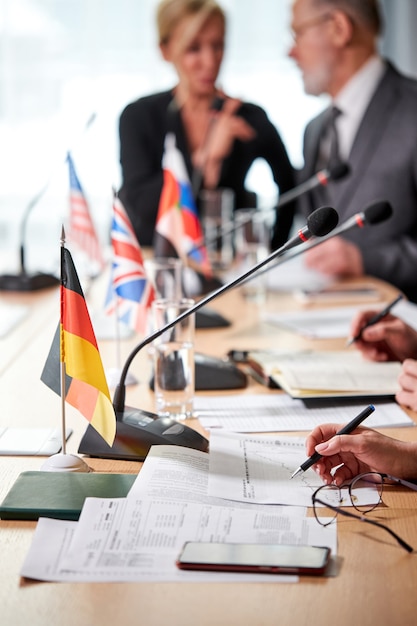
(374, 320)
(346, 430)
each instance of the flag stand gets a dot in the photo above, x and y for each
(113, 373)
(63, 462)
(130, 294)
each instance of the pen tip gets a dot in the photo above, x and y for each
(297, 471)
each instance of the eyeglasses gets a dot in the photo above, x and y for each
(299, 31)
(365, 494)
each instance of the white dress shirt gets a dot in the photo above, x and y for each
(353, 100)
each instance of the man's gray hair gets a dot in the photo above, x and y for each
(365, 12)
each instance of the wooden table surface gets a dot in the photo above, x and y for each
(377, 581)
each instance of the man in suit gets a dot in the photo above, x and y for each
(335, 47)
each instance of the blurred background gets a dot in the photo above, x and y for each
(64, 61)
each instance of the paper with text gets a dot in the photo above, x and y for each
(258, 469)
(139, 537)
(278, 412)
(323, 323)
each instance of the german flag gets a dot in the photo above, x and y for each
(75, 346)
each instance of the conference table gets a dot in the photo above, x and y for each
(376, 582)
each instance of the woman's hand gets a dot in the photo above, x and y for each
(225, 127)
(364, 450)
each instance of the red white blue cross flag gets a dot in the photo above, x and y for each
(131, 292)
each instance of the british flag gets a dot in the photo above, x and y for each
(81, 231)
(131, 293)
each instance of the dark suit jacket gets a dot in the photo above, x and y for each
(383, 163)
(143, 126)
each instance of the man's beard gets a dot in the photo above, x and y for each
(316, 82)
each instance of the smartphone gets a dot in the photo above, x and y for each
(254, 557)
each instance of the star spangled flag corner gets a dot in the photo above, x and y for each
(178, 229)
(74, 345)
(130, 292)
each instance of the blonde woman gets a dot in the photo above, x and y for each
(192, 38)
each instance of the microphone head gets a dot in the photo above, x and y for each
(377, 212)
(340, 170)
(322, 221)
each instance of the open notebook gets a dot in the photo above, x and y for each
(321, 374)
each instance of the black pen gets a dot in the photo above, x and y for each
(346, 430)
(374, 320)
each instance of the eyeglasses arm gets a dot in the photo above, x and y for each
(362, 518)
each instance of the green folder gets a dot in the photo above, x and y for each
(60, 495)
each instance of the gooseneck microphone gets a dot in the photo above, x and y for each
(319, 223)
(376, 212)
(319, 179)
(137, 430)
(25, 281)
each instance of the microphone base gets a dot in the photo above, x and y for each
(136, 431)
(208, 318)
(27, 282)
(211, 373)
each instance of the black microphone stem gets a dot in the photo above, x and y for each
(320, 178)
(374, 213)
(34, 201)
(312, 243)
(23, 223)
(230, 230)
(300, 190)
(120, 391)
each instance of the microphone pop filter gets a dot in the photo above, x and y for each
(322, 221)
(377, 212)
(340, 170)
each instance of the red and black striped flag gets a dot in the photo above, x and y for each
(75, 346)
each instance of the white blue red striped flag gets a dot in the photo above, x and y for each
(131, 293)
(178, 231)
(81, 231)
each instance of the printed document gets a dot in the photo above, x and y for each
(278, 412)
(324, 323)
(138, 538)
(258, 469)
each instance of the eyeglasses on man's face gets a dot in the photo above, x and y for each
(364, 494)
(298, 31)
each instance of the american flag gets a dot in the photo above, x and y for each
(81, 230)
(178, 230)
(131, 293)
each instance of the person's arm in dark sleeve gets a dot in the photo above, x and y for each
(141, 148)
(275, 154)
